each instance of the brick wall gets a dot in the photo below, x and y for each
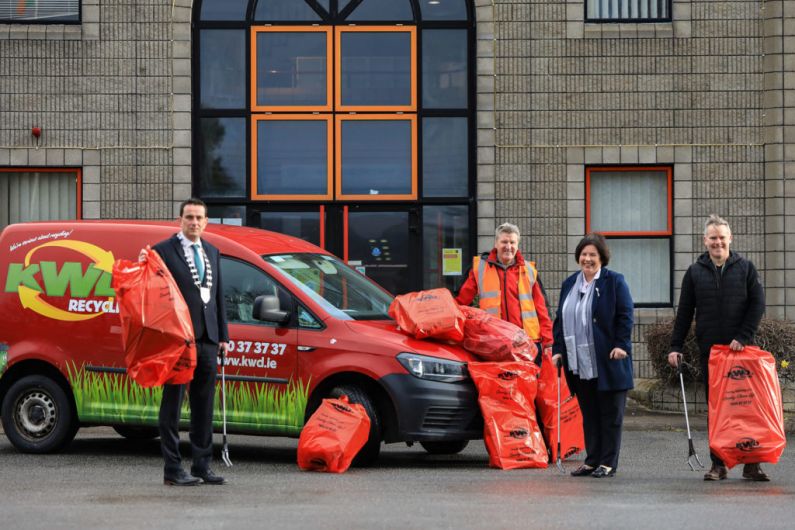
(556, 93)
(112, 95)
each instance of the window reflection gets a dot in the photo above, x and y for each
(382, 10)
(222, 157)
(444, 157)
(443, 9)
(227, 215)
(224, 9)
(445, 246)
(376, 157)
(222, 69)
(291, 69)
(444, 68)
(303, 225)
(379, 242)
(285, 10)
(292, 157)
(375, 68)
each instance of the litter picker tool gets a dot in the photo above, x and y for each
(559, 462)
(225, 450)
(691, 454)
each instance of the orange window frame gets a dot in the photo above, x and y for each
(78, 181)
(255, 159)
(607, 169)
(412, 119)
(329, 70)
(412, 31)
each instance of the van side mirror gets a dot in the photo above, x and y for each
(267, 308)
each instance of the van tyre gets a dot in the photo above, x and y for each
(132, 432)
(38, 415)
(445, 448)
(369, 452)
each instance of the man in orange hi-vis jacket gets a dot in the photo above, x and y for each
(508, 287)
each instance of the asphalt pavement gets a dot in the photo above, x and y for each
(105, 481)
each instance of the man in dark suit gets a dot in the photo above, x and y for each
(195, 266)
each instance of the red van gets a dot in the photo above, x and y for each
(322, 330)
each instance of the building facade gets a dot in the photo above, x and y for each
(422, 124)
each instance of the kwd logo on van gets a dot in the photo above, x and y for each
(83, 286)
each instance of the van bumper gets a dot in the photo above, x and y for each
(434, 411)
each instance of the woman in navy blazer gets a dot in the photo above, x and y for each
(593, 339)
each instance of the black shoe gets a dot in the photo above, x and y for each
(208, 477)
(583, 471)
(604, 471)
(716, 472)
(180, 478)
(754, 472)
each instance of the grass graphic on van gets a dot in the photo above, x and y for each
(104, 397)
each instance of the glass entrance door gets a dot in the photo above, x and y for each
(382, 243)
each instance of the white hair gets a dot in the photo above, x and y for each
(507, 228)
(716, 220)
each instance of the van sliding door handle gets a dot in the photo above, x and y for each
(305, 348)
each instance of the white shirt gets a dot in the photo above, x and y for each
(187, 248)
(586, 283)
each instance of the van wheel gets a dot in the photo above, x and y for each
(445, 448)
(369, 452)
(137, 433)
(37, 415)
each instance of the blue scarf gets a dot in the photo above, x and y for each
(577, 328)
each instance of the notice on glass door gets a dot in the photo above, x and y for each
(451, 262)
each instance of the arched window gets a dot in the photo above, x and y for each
(349, 123)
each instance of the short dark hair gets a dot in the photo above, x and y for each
(195, 202)
(597, 240)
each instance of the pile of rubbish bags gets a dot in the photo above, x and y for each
(514, 393)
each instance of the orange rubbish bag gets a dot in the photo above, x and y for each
(494, 339)
(333, 436)
(572, 438)
(159, 346)
(746, 416)
(433, 313)
(506, 392)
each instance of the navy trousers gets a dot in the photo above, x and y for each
(201, 394)
(602, 420)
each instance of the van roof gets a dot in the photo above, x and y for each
(255, 239)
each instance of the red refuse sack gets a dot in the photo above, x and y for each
(572, 438)
(494, 339)
(746, 417)
(433, 313)
(159, 346)
(506, 392)
(333, 436)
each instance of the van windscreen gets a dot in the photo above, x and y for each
(342, 291)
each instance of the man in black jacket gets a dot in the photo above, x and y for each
(726, 294)
(195, 266)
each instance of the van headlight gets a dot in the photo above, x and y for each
(433, 368)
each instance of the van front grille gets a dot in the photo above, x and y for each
(444, 418)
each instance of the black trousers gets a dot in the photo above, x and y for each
(201, 393)
(602, 419)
